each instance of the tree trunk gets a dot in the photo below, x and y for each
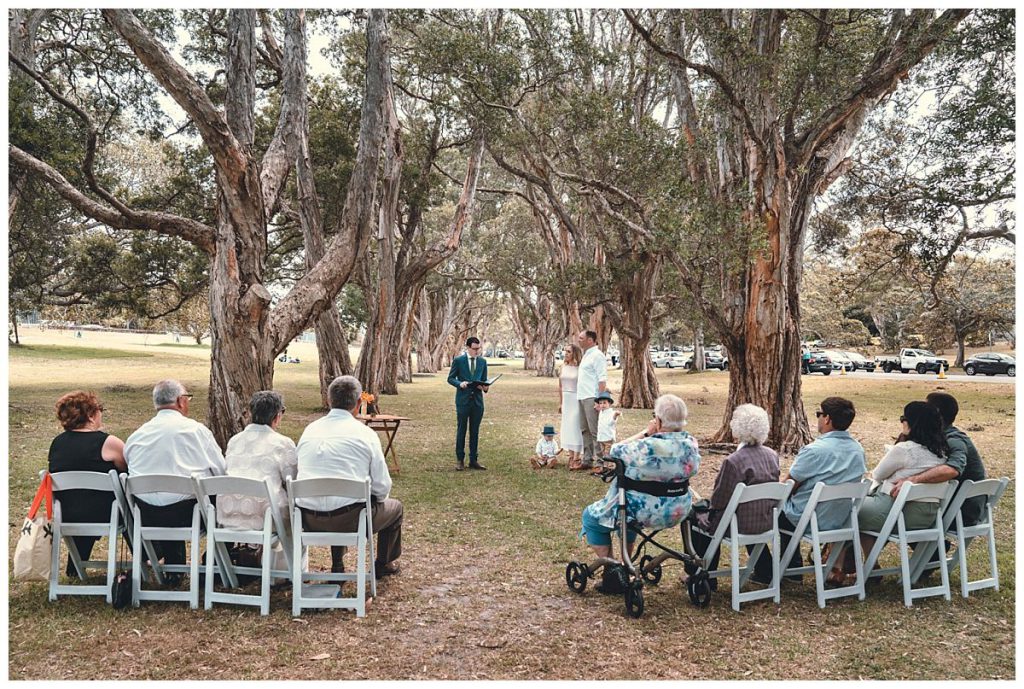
(14, 325)
(697, 363)
(961, 345)
(636, 294)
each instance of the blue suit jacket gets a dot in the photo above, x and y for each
(459, 373)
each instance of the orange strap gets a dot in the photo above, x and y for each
(45, 491)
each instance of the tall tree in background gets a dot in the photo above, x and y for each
(769, 103)
(246, 332)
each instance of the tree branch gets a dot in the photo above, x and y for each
(163, 223)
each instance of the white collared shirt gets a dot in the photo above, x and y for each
(593, 370)
(340, 446)
(606, 425)
(546, 448)
(171, 443)
(261, 453)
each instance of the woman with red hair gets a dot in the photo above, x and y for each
(83, 446)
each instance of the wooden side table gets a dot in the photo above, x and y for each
(387, 424)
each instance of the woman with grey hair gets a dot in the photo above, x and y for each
(260, 452)
(750, 464)
(662, 452)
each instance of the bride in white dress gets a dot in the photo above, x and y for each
(569, 408)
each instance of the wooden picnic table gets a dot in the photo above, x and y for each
(388, 425)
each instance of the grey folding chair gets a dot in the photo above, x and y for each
(143, 537)
(952, 521)
(849, 495)
(217, 536)
(304, 596)
(728, 534)
(65, 532)
(894, 530)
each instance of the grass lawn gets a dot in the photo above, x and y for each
(482, 593)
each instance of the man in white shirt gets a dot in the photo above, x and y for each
(171, 443)
(593, 379)
(340, 446)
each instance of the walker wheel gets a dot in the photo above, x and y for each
(576, 575)
(698, 587)
(652, 575)
(635, 598)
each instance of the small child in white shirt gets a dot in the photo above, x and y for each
(547, 449)
(606, 418)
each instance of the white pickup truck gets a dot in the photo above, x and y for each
(911, 359)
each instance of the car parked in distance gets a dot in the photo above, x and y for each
(679, 360)
(912, 359)
(860, 362)
(712, 359)
(839, 360)
(818, 363)
(991, 363)
(660, 359)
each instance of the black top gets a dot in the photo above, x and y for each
(81, 451)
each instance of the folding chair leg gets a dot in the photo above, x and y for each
(735, 566)
(193, 584)
(776, 567)
(137, 560)
(296, 563)
(112, 553)
(858, 565)
(943, 564)
(265, 582)
(55, 560)
(991, 555)
(361, 572)
(819, 575)
(905, 569)
(211, 551)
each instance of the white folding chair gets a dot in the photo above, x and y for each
(894, 530)
(852, 494)
(991, 490)
(362, 539)
(143, 537)
(217, 538)
(83, 480)
(728, 534)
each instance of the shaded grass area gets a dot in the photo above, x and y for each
(482, 593)
(64, 353)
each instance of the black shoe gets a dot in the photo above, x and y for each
(459, 465)
(477, 465)
(381, 569)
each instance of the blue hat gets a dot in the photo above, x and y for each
(604, 396)
(548, 430)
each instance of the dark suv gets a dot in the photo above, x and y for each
(817, 363)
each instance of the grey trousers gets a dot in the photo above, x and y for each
(588, 426)
(387, 524)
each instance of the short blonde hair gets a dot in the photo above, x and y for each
(750, 424)
(672, 412)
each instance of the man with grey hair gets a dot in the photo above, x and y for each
(340, 446)
(171, 443)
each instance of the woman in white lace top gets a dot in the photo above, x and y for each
(568, 407)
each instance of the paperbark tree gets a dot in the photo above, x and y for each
(246, 332)
(791, 91)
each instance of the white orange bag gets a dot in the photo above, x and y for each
(33, 552)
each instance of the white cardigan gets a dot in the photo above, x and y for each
(903, 460)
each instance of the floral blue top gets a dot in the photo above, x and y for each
(663, 457)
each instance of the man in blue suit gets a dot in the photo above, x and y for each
(469, 401)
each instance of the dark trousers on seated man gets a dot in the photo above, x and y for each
(468, 416)
(387, 524)
(173, 515)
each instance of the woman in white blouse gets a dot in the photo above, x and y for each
(260, 452)
(568, 407)
(921, 445)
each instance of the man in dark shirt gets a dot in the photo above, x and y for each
(964, 461)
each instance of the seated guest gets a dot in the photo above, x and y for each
(834, 458)
(663, 452)
(340, 446)
(84, 447)
(171, 443)
(962, 463)
(750, 464)
(261, 453)
(920, 445)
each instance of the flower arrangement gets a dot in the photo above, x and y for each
(368, 400)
